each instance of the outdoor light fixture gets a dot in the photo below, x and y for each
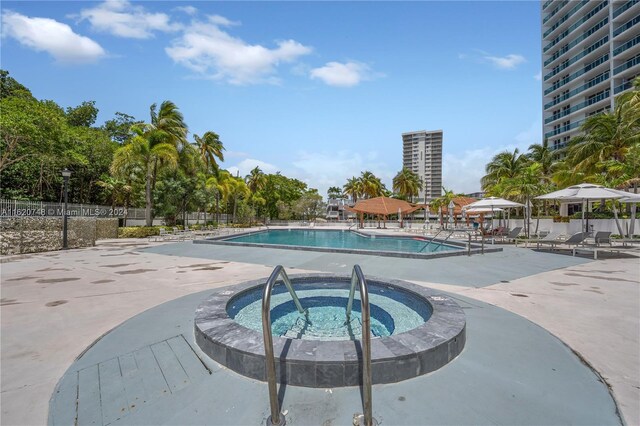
(66, 174)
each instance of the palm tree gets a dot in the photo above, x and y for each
(371, 185)
(353, 188)
(443, 201)
(148, 153)
(607, 136)
(256, 180)
(117, 189)
(528, 184)
(210, 148)
(503, 165)
(334, 192)
(541, 153)
(407, 184)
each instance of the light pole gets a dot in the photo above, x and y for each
(66, 174)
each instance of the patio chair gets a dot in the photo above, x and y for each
(602, 237)
(575, 239)
(551, 236)
(511, 235)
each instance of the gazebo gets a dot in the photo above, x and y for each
(383, 207)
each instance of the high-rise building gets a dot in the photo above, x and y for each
(422, 154)
(590, 54)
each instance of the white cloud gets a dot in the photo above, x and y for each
(208, 50)
(508, 62)
(51, 36)
(122, 19)
(222, 21)
(538, 76)
(246, 165)
(189, 10)
(342, 74)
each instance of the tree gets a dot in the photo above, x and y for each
(309, 206)
(371, 185)
(119, 128)
(9, 87)
(503, 165)
(210, 148)
(148, 153)
(84, 115)
(154, 145)
(334, 192)
(407, 184)
(256, 180)
(353, 188)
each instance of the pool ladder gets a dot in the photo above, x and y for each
(357, 277)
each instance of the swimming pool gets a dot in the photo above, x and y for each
(353, 242)
(342, 240)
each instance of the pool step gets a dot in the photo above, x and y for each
(303, 327)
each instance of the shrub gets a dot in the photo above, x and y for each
(139, 231)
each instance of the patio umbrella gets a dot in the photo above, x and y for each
(451, 207)
(492, 203)
(585, 192)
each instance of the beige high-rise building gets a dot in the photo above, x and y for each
(422, 154)
(590, 55)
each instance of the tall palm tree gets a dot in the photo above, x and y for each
(210, 148)
(371, 185)
(148, 153)
(503, 165)
(528, 184)
(256, 180)
(543, 154)
(353, 188)
(607, 136)
(407, 183)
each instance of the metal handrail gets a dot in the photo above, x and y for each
(358, 276)
(276, 417)
(431, 240)
(443, 241)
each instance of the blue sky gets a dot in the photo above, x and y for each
(317, 90)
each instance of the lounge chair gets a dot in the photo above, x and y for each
(575, 239)
(551, 236)
(602, 237)
(511, 235)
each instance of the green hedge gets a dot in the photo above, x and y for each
(139, 231)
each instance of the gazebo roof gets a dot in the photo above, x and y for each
(384, 206)
(459, 202)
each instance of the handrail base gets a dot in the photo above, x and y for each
(358, 420)
(282, 421)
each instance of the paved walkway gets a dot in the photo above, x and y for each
(54, 305)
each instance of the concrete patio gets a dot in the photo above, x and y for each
(54, 305)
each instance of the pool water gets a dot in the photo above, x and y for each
(342, 240)
(325, 318)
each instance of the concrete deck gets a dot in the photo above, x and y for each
(54, 305)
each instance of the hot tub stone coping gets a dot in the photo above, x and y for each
(318, 363)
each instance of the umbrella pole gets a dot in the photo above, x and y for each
(615, 215)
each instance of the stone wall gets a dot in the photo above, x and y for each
(38, 234)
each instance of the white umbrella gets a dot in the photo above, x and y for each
(585, 192)
(451, 206)
(493, 203)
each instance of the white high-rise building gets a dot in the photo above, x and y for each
(590, 54)
(422, 154)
